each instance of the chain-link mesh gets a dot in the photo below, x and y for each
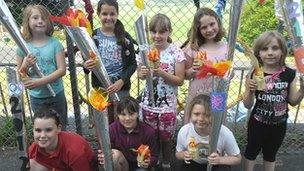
(181, 13)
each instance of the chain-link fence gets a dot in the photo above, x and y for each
(181, 13)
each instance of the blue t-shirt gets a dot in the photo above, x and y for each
(110, 53)
(46, 60)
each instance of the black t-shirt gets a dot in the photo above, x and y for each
(271, 105)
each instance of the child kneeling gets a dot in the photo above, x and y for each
(128, 133)
(193, 140)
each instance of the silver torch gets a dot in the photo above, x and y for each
(221, 85)
(9, 23)
(88, 49)
(142, 38)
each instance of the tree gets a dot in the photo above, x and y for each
(257, 19)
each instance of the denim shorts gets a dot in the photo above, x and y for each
(58, 103)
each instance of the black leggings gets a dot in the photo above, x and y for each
(265, 137)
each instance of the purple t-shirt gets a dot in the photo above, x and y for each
(124, 141)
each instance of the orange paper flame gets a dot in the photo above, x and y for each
(143, 152)
(192, 142)
(98, 99)
(23, 75)
(75, 18)
(201, 55)
(153, 55)
(217, 69)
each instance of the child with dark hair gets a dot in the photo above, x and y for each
(54, 149)
(128, 133)
(116, 49)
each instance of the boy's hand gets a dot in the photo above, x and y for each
(89, 64)
(144, 164)
(214, 159)
(187, 157)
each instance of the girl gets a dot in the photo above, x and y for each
(48, 53)
(206, 35)
(268, 119)
(167, 77)
(198, 131)
(116, 49)
(128, 132)
(54, 149)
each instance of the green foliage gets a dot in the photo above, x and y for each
(257, 19)
(8, 134)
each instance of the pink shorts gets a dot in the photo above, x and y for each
(164, 123)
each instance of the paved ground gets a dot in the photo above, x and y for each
(285, 162)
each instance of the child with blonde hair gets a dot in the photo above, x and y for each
(268, 119)
(48, 53)
(193, 140)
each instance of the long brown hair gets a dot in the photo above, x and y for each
(196, 38)
(119, 30)
(26, 30)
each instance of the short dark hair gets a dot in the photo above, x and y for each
(128, 103)
(45, 112)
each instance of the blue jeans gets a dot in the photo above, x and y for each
(58, 103)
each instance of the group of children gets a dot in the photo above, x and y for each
(60, 150)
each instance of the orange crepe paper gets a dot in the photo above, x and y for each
(299, 57)
(143, 152)
(98, 99)
(23, 75)
(201, 55)
(153, 56)
(192, 142)
(217, 69)
(75, 18)
(192, 148)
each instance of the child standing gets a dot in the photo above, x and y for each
(206, 35)
(198, 132)
(48, 53)
(166, 78)
(128, 133)
(268, 119)
(54, 149)
(116, 49)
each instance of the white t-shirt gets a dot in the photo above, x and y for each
(226, 143)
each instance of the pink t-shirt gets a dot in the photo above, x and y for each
(204, 86)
